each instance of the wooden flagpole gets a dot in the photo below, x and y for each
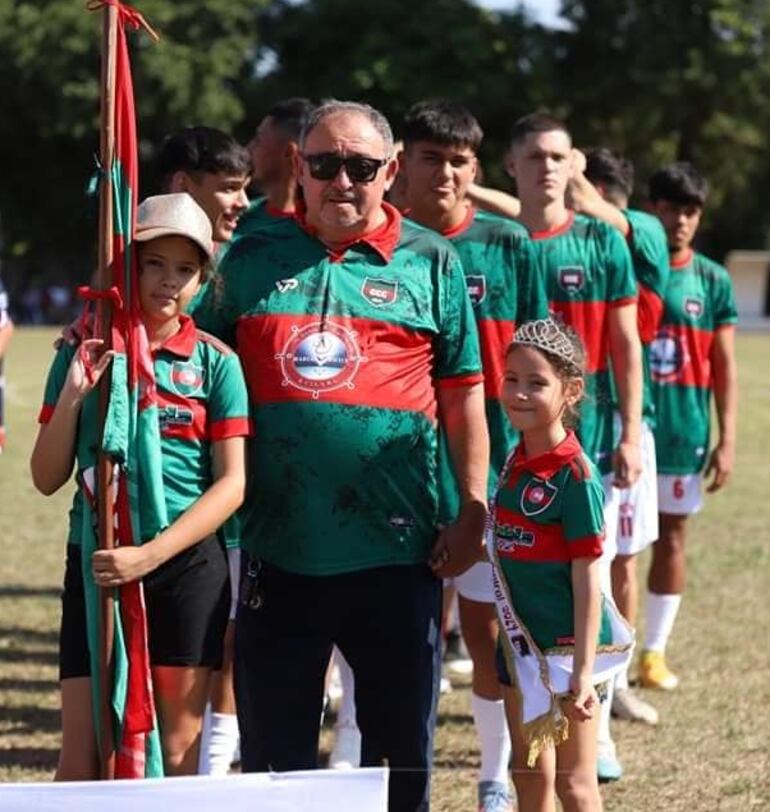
(105, 508)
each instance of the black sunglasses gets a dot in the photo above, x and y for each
(326, 166)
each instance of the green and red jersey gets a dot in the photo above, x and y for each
(649, 254)
(549, 510)
(343, 353)
(699, 300)
(202, 398)
(258, 216)
(505, 290)
(587, 270)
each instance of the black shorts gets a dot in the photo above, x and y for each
(187, 599)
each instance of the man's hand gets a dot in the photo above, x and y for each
(460, 545)
(720, 466)
(627, 465)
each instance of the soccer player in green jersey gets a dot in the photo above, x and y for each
(589, 278)
(203, 419)
(441, 139)
(359, 342)
(692, 357)
(603, 191)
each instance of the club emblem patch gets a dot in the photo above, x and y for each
(537, 497)
(320, 357)
(477, 288)
(693, 307)
(379, 292)
(667, 357)
(572, 278)
(509, 536)
(186, 378)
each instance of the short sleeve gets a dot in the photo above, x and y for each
(458, 357)
(649, 253)
(725, 310)
(621, 282)
(228, 400)
(583, 515)
(57, 375)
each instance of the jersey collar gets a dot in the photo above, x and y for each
(462, 226)
(382, 239)
(546, 465)
(183, 342)
(683, 263)
(556, 231)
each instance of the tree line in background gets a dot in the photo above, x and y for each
(658, 80)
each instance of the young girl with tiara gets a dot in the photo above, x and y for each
(202, 420)
(560, 637)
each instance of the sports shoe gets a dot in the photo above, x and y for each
(627, 705)
(654, 673)
(346, 752)
(608, 768)
(494, 797)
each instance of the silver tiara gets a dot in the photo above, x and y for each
(548, 335)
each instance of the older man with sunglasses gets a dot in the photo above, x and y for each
(358, 341)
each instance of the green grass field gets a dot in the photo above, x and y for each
(710, 751)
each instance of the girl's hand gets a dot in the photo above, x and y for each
(583, 702)
(90, 355)
(120, 566)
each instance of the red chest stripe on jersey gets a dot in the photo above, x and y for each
(589, 321)
(45, 414)
(352, 361)
(230, 427)
(681, 354)
(548, 542)
(195, 429)
(494, 337)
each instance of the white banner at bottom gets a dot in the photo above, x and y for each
(364, 790)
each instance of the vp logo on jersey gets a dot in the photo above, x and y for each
(379, 292)
(186, 378)
(320, 357)
(667, 357)
(693, 307)
(537, 496)
(477, 288)
(572, 278)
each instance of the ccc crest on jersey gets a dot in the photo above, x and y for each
(186, 378)
(572, 278)
(477, 288)
(379, 292)
(693, 307)
(537, 496)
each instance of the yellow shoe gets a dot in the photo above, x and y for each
(654, 673)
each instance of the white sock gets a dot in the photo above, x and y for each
(494, 740)
(661, 614)
(219, 742)
(347, 712)
(604, 737)
(621, 680)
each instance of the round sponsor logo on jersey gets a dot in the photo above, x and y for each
(320, 357)
(537, 497)
(667, 357)
(186, 378)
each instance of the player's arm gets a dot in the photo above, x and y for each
(626, 358)
(584, 198)
(463, 421)
(586, 617)
(203, 517)
(494, 200)
(725, 371)
(6, 331)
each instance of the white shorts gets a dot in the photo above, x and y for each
(475, 584)
(680, 494)
(609, 548)
(638, 510)
(234, 566)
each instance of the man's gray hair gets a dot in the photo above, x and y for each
(332, 107)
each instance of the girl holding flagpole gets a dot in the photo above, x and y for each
(560, 637)
(202, 419)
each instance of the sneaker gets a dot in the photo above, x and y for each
(346, 753)
(494, 797)
(608, 768)
(456, 656)
(654, 673)
(627, 705)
